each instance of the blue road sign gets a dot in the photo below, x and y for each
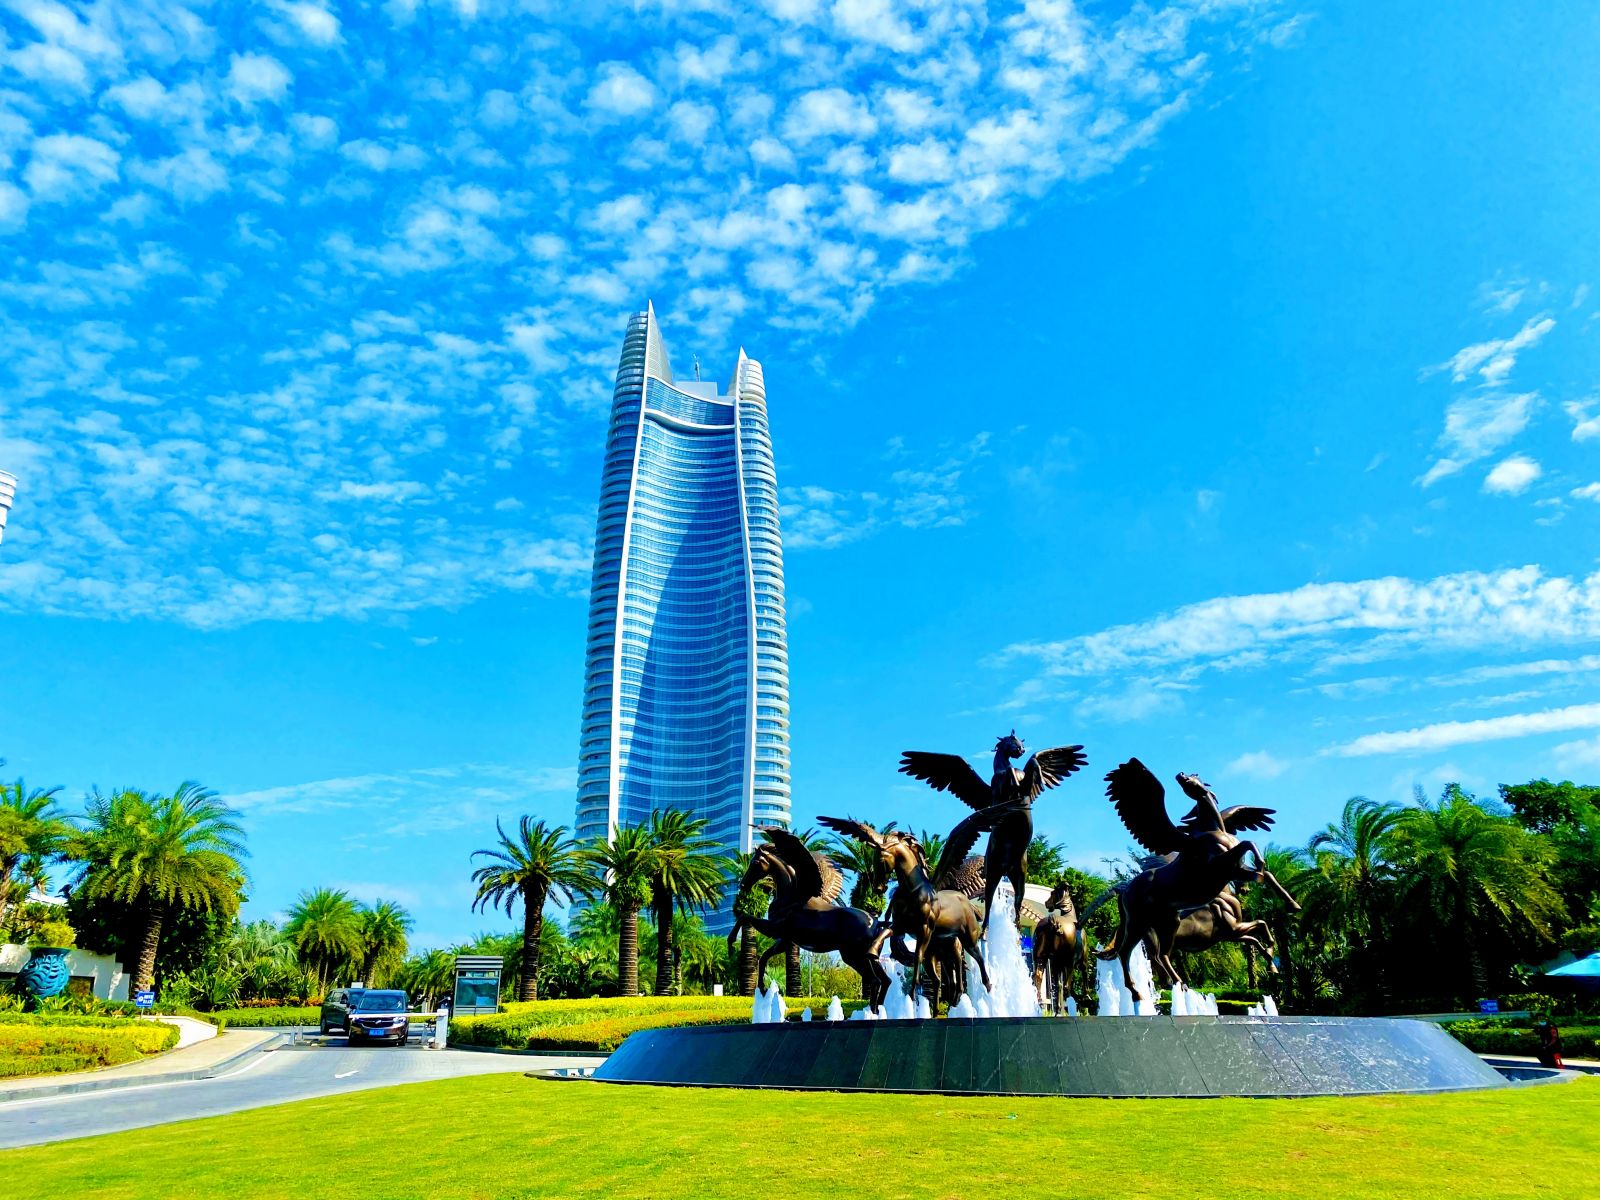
(145, 999)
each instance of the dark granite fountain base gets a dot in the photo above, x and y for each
(1063, 1056)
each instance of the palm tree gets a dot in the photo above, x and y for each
(871, 881)
(620, 872)
(1350, 886)
(428, 977)
(688, 873)
(382, 929)
(746, 904)
(325, 926)
(1483, 877)
(31, 830)
(161, 853)
(531, 868)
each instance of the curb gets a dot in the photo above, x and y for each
(110, 1083)
(527, 1053)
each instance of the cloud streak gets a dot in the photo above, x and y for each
(1445, 734)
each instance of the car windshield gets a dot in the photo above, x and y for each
(382, 1002)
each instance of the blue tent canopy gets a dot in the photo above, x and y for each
(1583, 968)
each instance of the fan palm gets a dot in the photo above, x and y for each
(620, 871)
(862, 862)
(1483, 877)
(31, 829)
(534, 866)
(161, 854)
(1046, 861)
(325, 927)
(688, 873)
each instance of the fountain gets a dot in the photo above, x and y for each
(995, 1042)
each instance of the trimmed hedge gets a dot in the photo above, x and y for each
(44, 1047)
(600, 1026)
(1506, 1037)
(264, 1018)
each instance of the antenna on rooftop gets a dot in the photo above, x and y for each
(697, 368)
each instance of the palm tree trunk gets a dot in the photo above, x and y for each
(749, 956)
(532, 928)
(792, 983)
(663, 909)
(144, 974)
(628, 952)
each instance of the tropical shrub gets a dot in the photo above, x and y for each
(266, 1018)
(35, 1046)
(1508, 1037)
(600, 1026)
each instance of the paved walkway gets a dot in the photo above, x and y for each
(1589, 1066)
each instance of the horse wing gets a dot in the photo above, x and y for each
(807, 877)
(948, 773)
(953, 857)
(832, 879)
(1142, 805)
(1242, 816)
(1049, 767)
(850, 827)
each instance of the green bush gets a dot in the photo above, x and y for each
(33, 1045)
(1506, 1037)
(599, 1026)
(264, 1018)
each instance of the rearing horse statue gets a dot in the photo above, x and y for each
(1059, 949)
(1200, 857)
(804, 912)
(939, 920)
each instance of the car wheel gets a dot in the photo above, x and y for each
(404, 1038)
(323, 1031)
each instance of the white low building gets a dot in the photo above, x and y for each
(104, 974)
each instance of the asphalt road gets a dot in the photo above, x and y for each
(274, 1077)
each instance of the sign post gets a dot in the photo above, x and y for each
(145, 998)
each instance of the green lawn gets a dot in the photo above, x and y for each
(510, 1136)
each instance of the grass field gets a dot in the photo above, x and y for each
(510, 1136)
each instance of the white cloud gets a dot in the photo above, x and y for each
(1258, 764)
(312, 21)
(1462, 733)
(813, 160)
(1589, 491)
(1477, 425)
(1512, 476)
(622, 91)
(13, 207)
(1357, 621)
(1493, 360)
(256, 77)
(1584, 427)
(68, 166)
(1584, 754)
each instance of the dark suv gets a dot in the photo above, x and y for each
(380, 1016)
(336, 1009)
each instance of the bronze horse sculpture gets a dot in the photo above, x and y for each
(1192, 930)
(1059, 949)
(1201, 857)
(805, 912)
(937, 915)
(1006, 856)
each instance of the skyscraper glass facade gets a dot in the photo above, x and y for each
(686, 694)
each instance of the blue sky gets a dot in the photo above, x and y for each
(1211, 382)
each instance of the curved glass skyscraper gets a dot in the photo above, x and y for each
(686, 690)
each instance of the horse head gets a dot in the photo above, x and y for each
(1060, 898)
(1010, 745)
(901, 853)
